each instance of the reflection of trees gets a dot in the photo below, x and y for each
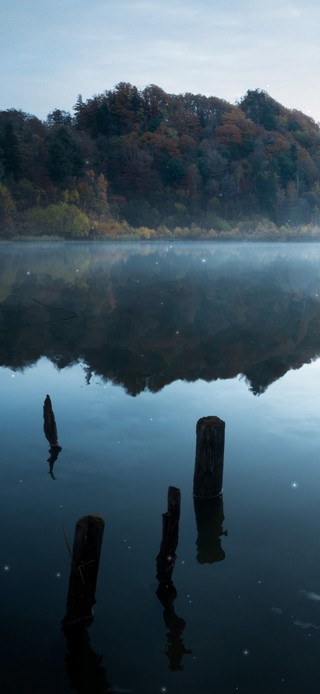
(145, 319)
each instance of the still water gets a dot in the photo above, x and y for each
(134, 343)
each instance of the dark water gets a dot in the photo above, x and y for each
(134, 344)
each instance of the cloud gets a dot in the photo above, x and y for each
(206, 46)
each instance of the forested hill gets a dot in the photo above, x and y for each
(160, 163)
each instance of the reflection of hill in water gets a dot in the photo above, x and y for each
(148, 315)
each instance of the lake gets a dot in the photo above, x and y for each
(134, 343)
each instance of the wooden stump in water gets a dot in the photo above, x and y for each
(208, 472)
(84, 569)
(170, 537)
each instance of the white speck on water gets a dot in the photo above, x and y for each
(294, 485)
(125, 540)
(203, 260)
(177, 332)
(245, 652)
(61, 506)
(151, 419)
(58, 574)
(6, 568)
(129, 546)
(77, 270)
(12, 375)
(28, 272)
(183, 561)
(20, 481)
(138, 281)
(118, 442)
(163, 689)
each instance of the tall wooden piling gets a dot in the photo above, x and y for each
(170, 537)
(84, 569)
(208, 472)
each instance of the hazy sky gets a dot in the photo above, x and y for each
(53, 50)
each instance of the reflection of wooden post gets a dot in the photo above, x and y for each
(166, 591)
(208, 473)
(209, 519)
(84, 570)
(84, 666)
(170, 536)
(175, 625)
(49, 423)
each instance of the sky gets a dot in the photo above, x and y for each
(53, 50)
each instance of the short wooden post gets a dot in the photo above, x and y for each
(84, 569)
(170, 537)
(208, 472)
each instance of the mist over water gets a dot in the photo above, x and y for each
(134, 343)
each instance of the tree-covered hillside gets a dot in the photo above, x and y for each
(156, 161)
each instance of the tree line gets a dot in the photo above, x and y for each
(145, 162)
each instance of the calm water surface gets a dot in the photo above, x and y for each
(134, 343)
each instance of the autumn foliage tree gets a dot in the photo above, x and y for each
(156, 160)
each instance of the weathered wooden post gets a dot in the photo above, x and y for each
(84, 569)
(208, 472)
(170, 537)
